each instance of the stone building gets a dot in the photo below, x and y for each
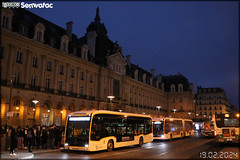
(210, 101)
(44, 62)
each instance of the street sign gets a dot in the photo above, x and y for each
(9, 114)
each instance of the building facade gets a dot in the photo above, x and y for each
(210, 101)
(44, 62)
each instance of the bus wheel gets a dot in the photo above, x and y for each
(170, 137)
(110, 145)
(140, 141)
(181, 136)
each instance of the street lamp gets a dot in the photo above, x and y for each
(34, 109)
(110, 98)
(158, 108)
(174, 110)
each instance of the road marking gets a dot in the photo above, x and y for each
(163, 153)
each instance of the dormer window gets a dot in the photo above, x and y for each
(5, 22)
(136, 74)
(6, 17)
(151, 81)
(172, 88)
(144, 78)
(53, 42)
(39, 36)
(23, 30)
(64, 43)
(39, 32)
(84, 54)
(180, 87)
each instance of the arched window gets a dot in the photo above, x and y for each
(136, 74)
(6, 17)
(39, 32)
(172, 88)
(64, 43)
(180, 88)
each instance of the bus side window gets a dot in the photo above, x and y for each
(167, 128)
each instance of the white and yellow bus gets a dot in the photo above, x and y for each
(96, 130)
(170, 128)
(226, 127)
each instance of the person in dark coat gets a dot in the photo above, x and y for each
(30, 135)
(14, 141)
(44, 137)
(38, 136)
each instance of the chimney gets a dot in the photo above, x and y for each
(153, 72)
(128, 59)
(69, 29)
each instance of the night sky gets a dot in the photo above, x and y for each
(198, 39)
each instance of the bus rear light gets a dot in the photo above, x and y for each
(215, 133)
(233, 132)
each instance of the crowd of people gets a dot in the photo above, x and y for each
(36, 137)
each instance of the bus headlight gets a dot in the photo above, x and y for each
(66, 144)
(162, 136)
(86, 145)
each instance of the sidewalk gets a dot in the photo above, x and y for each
(24, 154)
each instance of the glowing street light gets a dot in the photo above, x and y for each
(174, 110)
(35, 101)
(110, 98)
(158, 108)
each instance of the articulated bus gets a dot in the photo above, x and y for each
(96, 130)
(226, 127)
(170, 128)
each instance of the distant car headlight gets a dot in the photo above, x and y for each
(66, 144)
(86, 145)
(162, 136)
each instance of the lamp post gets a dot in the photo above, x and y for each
(34, 109)
(159, 109)
(174, 110)
(10, 99)
(110, 98)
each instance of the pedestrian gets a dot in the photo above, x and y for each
(8, 134)
(52, 134)
(38, 134)
(30, 139)
(34, 135)
(22, 135)
(14, 141)
(44, 137)
(25, 137)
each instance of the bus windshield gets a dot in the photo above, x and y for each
(77, 133)
(231, 121)
(157, 128)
